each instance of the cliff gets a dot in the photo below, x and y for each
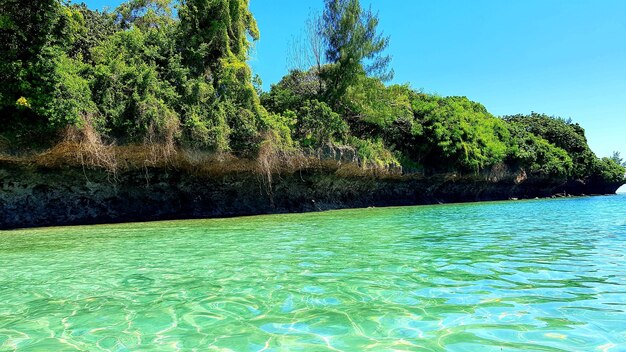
(33, 195)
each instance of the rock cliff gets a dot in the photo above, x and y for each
(33, 196)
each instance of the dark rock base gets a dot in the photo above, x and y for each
(33, 196)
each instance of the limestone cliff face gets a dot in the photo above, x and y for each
(34, 196)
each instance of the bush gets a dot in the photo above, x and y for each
(609, 171)
(374, 154)
(536, 154)
(459, 134)
(292, 91)
(376, 104)
(563, 134)
(317, 124)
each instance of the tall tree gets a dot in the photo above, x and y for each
(617, 157)
(216, 29)
(307, 50)
(215, 36)
(354, 45)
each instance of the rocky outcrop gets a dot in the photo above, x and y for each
(37, 196)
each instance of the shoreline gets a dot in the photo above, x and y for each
(35, 196)
(113, 223)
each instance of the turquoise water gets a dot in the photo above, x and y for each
(545, 275)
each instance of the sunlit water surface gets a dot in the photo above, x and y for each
(546, 275)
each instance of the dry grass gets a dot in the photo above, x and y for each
(161, 143)
(84, 147)
(272, 159)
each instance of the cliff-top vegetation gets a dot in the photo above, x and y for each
(174, 77)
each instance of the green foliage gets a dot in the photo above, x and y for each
(354, 46)
(145, 14)
(214, 38)
(132, 97)
(560, 136)
(234, 83)
(32, 37)
(204, 120)
(212, 30)
(563, 134)
(313, 122)
(618, 159)
(143, 75)
(291, 92)
(459, 134)
(374, 153)
(609, 171)
(97, 26)
(277, 125)
(374, 103)
(536, 154)
(71, 103)
(317, 124)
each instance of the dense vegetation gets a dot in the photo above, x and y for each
(152, 72)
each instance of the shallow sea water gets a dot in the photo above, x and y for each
(544, 275)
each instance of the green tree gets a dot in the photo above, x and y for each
(216, 30)
(291, 92)
(31, 34)
(96, 27)
(374, 153)
(133, 99)
(145, 14)
(618, 158)
(214, 37)
(535, 154)
(370, 101)
(354, 46)
(607, 170)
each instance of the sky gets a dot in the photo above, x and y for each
(559, 57)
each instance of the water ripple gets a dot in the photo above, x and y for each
(510, 276)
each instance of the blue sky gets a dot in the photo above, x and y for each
(559, 57)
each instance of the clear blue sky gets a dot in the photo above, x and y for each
(559, 57)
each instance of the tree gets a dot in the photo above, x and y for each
(214, 40)
(215, 30)
(145, 14)
(536, 155)
(317, 124)
(371, 101)
(307, 51)
(353, 46)
(618, 158)
(98, 26)
(291, 92)
(607, 170)
(29, 35)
